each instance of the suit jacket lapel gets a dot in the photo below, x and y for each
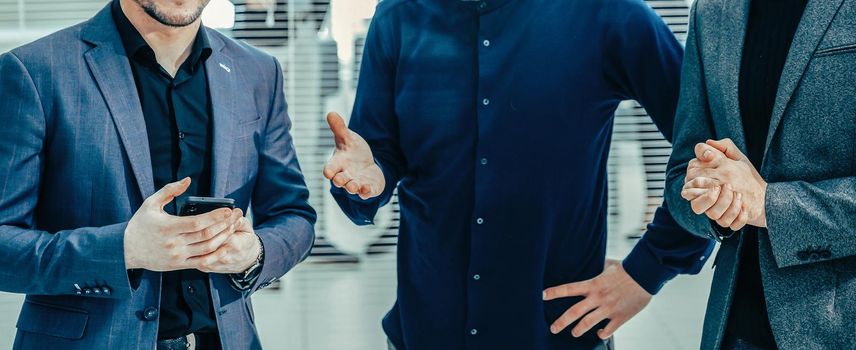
(730, 50)
(222, 84)
(816, 19)
(109, 66)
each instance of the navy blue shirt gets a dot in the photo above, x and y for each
(495, 118)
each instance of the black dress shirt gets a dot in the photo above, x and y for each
(771, 28)
(177, 112)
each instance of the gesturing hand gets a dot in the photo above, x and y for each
(612, 295)
(157, 241)
(236, 255)
(352, 165)
(723, 184)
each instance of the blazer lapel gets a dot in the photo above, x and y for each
(730, 50)
(109, 66)
(222, 84)
(815, 21)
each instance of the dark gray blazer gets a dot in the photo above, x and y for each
(808, 252)
(75, 166)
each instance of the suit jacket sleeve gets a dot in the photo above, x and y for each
(693, 124)
(811, 216)
(645, 61)
(282, 216)
(375, 120)
(34, 261)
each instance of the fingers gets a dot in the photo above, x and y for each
(244, 225)
(732, 212)
(709, 154)
(589, 321)
(211, 245)
(368, 191)
(212, 261)
(214, 229)
(187, 224)
(353, 186)
(341, 179)
(703, 203)
(610, 328)
(741, 220)
(727, 147)
(726, 196)
(332, 168)
(339, 129)
(572, 315)
(701, 182)
(566, 290)
(166, 194)
(693, 193)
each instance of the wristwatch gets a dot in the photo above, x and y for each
(245, 280)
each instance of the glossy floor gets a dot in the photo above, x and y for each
(339, 306)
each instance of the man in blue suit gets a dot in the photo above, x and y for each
(107, 127)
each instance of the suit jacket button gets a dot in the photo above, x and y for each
(96, 290)
(826, 254)
(87, 291)
(150, 313)
(814, 255)
(106, 290)
(803, 255)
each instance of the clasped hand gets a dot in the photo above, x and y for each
(722, 184)
(220, 241)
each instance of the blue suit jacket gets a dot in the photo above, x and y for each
(75, 166)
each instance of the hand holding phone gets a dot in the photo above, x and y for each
(157, 241)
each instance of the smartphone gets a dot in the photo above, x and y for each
(201, 205)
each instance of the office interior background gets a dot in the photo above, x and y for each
(337, 298)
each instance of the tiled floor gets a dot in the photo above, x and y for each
(339, 306)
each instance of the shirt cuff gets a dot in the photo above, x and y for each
(644, 267)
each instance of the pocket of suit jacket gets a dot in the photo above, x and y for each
(53, 320)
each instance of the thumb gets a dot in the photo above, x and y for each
(166, 194)
(727, 147)
(339, 129)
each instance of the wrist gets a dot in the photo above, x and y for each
(130, 261)
(258, 257)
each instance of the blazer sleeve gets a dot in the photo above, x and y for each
(693, 124)
(645, 65)
(283, 218)
(34, 261)
(374, 119)
(805, 217)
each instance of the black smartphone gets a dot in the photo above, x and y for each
(201, 205)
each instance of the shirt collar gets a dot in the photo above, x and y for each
(137, 48)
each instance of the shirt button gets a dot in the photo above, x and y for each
(180, 135)
(476, 277)
(484, 161)
(150, 313)
(486, 43)
(190, 289)
(701, 258)
(479, 221)
(482, 5)
(486, 102)
(474, 331)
